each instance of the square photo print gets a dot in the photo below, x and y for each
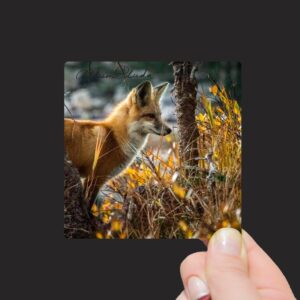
(152, 149)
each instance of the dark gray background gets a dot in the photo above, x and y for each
(37, 261)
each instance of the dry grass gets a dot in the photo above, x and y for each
(160, 202)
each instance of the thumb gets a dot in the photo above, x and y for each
(226, 269)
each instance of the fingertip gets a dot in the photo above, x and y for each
(193, 261)
(226, 241)
(226, 265)
(182, 296)
(197, 288)
(194, 264)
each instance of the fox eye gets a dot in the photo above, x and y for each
(152, 116)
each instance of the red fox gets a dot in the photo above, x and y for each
(102, 149)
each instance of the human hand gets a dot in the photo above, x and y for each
(233, 268)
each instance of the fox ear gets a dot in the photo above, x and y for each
(143, 91)
(160, 89)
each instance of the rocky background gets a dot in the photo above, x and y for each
(92, 89)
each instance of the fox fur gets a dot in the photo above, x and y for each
(118, 138)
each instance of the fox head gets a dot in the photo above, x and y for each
(144, 112)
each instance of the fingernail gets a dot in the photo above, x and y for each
(228, 241)
(197, 289)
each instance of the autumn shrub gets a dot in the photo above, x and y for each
(157, 200)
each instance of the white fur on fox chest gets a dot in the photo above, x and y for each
(136, 140)
(131, 148)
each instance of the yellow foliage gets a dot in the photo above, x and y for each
(131, 184)
(122, 236)
(131, 172)
(214, 90)
(105, 218)
(208, 108)
(116, 225)
(225, 223)
(183, 226)
(168, 138)
(219, 110)
(95, 210)
(99, 235)
(236, 108)
(202, 128)
(106, 205)
(179, 191)
(218, 122)
(189, 234)
(118, 206)
(201, 117)
(97, 152)
(158, 202)
(170, 162)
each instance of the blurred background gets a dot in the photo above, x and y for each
(92, 89)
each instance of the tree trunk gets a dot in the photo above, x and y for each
(77, 223)
(185, 94)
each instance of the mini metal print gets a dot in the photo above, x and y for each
(152, 150)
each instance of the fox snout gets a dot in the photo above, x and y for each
(162, 129)
(166, 130)
(158, 130)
